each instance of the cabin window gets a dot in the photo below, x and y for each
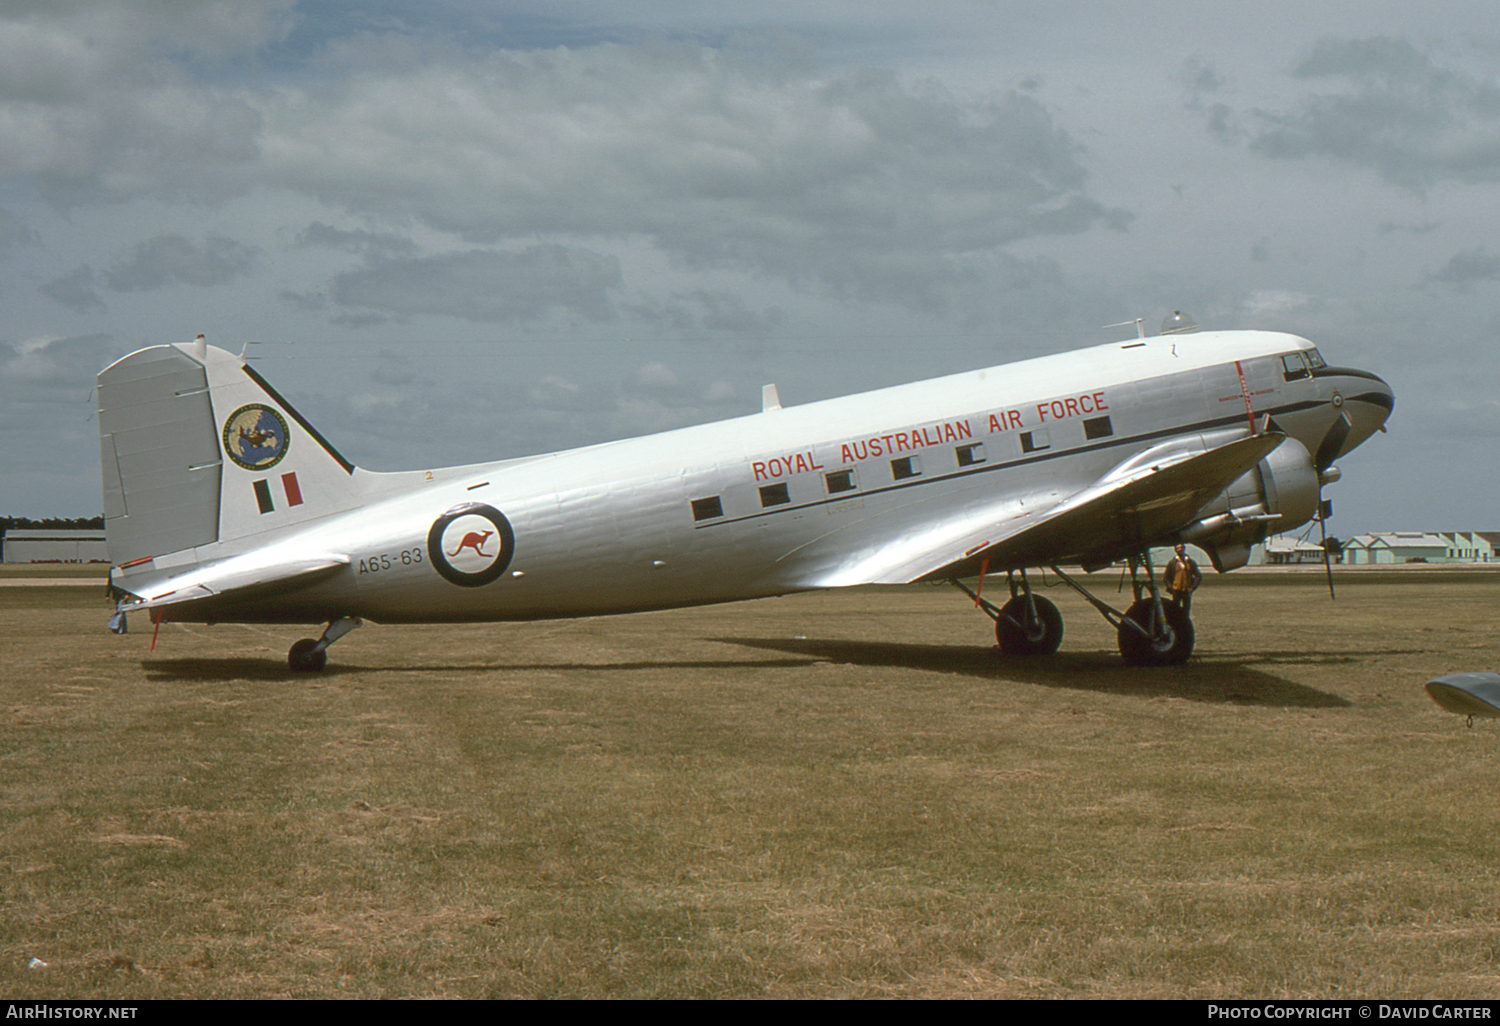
(707, 509)
(840, 481)
(1035, 441)
(1098, 427)
(775, 495)
(906, 466)
(968, 455)
(1294, 366)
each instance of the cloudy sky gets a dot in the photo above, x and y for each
(456, 230)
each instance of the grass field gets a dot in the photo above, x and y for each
(833, 795)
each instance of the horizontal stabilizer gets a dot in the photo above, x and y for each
(247, 577)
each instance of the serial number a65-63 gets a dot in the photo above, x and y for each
(390, 561)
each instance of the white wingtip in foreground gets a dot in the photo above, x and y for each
(1467, 694)
(223, 504)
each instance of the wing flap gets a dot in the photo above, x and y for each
(1137, 502)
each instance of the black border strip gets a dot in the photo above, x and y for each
(292, 412)
(1347, 372)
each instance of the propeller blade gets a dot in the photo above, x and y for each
(1327, 558)
(1328, 448)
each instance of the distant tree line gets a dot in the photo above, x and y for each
(51, 524)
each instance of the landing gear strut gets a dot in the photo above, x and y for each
(1026, 625)
(309, 656)
(1154, 631)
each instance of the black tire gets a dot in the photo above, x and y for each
(303, 659)
(1037, 634)
(1168, 647)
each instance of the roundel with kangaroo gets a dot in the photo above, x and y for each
(471, 545)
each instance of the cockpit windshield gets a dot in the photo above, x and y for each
(1301, 364)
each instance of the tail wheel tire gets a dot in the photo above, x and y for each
(1032, 633)
(306, 657)
(1168, 645)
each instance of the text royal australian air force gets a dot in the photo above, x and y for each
(1040, 407)
(947, 432)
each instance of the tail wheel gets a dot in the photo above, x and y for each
(1035, 631)
(306, 657)
(1164, 644)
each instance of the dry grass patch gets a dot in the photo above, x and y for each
(831, 795)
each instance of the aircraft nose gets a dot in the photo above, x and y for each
(1367, 400)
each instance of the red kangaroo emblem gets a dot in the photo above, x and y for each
(473, 540)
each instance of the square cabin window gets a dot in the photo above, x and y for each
(707, 509)
(906, 466)
(968, 455)
(775, 495)
(840, 481)
(1035, 441)
(1097, 427)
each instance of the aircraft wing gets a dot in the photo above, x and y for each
(1136, 503)
(1468, 694)
(246, 577)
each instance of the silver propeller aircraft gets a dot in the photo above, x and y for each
(223, 504)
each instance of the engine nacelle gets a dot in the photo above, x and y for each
(1280, 493)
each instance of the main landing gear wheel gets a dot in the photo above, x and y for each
(1162, 644)
(1037, 630)
(307, 657)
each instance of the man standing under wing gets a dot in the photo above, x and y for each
(1183, 578)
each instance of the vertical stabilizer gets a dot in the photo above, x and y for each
(197, 448)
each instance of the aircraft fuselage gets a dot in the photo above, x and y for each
(785, 500)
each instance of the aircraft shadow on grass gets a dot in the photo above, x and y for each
(202, 669)
(1229, 679)
(1235, 678)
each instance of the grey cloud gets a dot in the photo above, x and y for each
(44, 37)
(173, 260)
(109, 101)
(75, 290)
(1399, 112)
(14, 234)
(62, 363)
(1223, 124)
(1468, 267)
(1200, 79)
(727, 311)
(308, 302)
(707, 311)
(356, 241)
(739, 157)
(1423, 228)
(487, 285)
(1379, 58)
